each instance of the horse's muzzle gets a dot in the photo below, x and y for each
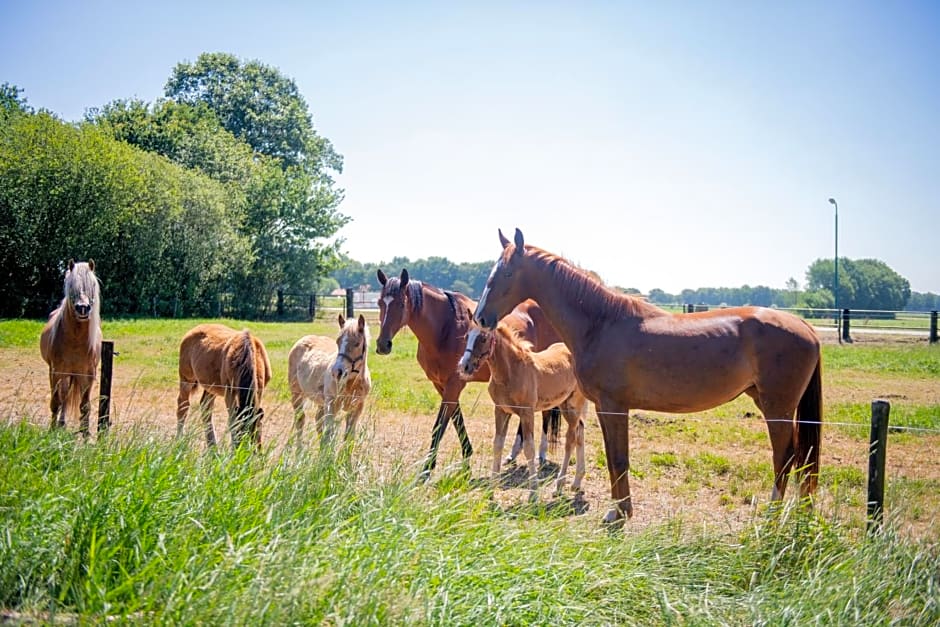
(383, 347)
(83, 311)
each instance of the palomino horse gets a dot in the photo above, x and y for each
(439, 320)
(630, 354)
(333, 373)
(227, 363)
(71, 344)
(523, 381)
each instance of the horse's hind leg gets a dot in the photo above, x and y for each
(182, 405)
(297, 402)
(206, 404)
(782, 444)
(574, 440)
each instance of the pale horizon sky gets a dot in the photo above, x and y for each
(663, 145)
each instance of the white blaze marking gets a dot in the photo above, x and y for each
(486, 290)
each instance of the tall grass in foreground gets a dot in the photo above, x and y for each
(156, 531)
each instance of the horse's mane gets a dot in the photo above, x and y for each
(513, 338)
(588, 290)
(87, 279)
(413, 290)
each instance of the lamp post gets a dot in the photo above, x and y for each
(836, 293)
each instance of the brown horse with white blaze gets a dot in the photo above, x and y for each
(440, 321)
(630, 354)
(230, 364)
(70, 343)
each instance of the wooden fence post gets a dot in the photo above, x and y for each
(877, 453)
(349, 302)
(933, 327)
(312, 307)
(846, 315)
(104, 390)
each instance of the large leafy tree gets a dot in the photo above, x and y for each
(159, 232)
(292, 202)
(863, 283)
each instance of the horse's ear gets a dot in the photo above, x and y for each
(382, 278)
(71, 264)
(520, 243)
(502, 239)
(91, 265)
(341, 320)
(362, 323)
(404, 277)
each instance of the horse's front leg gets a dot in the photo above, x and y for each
(615, 427)
(499, 437)
(450, 408)
(57, 404)
(352, 418)
(527, 420)
(84, 407)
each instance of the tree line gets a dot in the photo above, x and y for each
(223, 187)
(222, 190)
(863, 284)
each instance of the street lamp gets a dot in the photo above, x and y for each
(836, 294)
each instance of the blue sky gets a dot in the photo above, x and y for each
(662, 145)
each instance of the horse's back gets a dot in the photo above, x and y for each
(530, 323)
(202, 351)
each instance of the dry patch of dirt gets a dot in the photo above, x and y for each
(662, 491)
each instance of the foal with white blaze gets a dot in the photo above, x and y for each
(332, 373)
(523, 381)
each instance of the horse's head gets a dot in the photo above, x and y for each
(81, 288)
(393, 309)
(479, 346)
(352, 345)
(505, 287)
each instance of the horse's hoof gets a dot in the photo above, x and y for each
(542, 460)
(510, 461)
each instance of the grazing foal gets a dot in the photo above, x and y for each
(227, 363)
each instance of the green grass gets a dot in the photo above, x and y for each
(143, 529)
(156, 532)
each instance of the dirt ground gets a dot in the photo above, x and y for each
(668, 493)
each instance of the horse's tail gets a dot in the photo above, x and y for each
(809, 425)
(247, 381)
(551, 424)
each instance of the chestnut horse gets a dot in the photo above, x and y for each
(227, 363)
(630, 354)
(440, 321)
(523, 381)
(71, 344)
(334, 374)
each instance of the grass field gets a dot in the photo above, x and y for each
(144, 528)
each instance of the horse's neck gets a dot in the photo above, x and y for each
(506, 357)
(561, 307)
